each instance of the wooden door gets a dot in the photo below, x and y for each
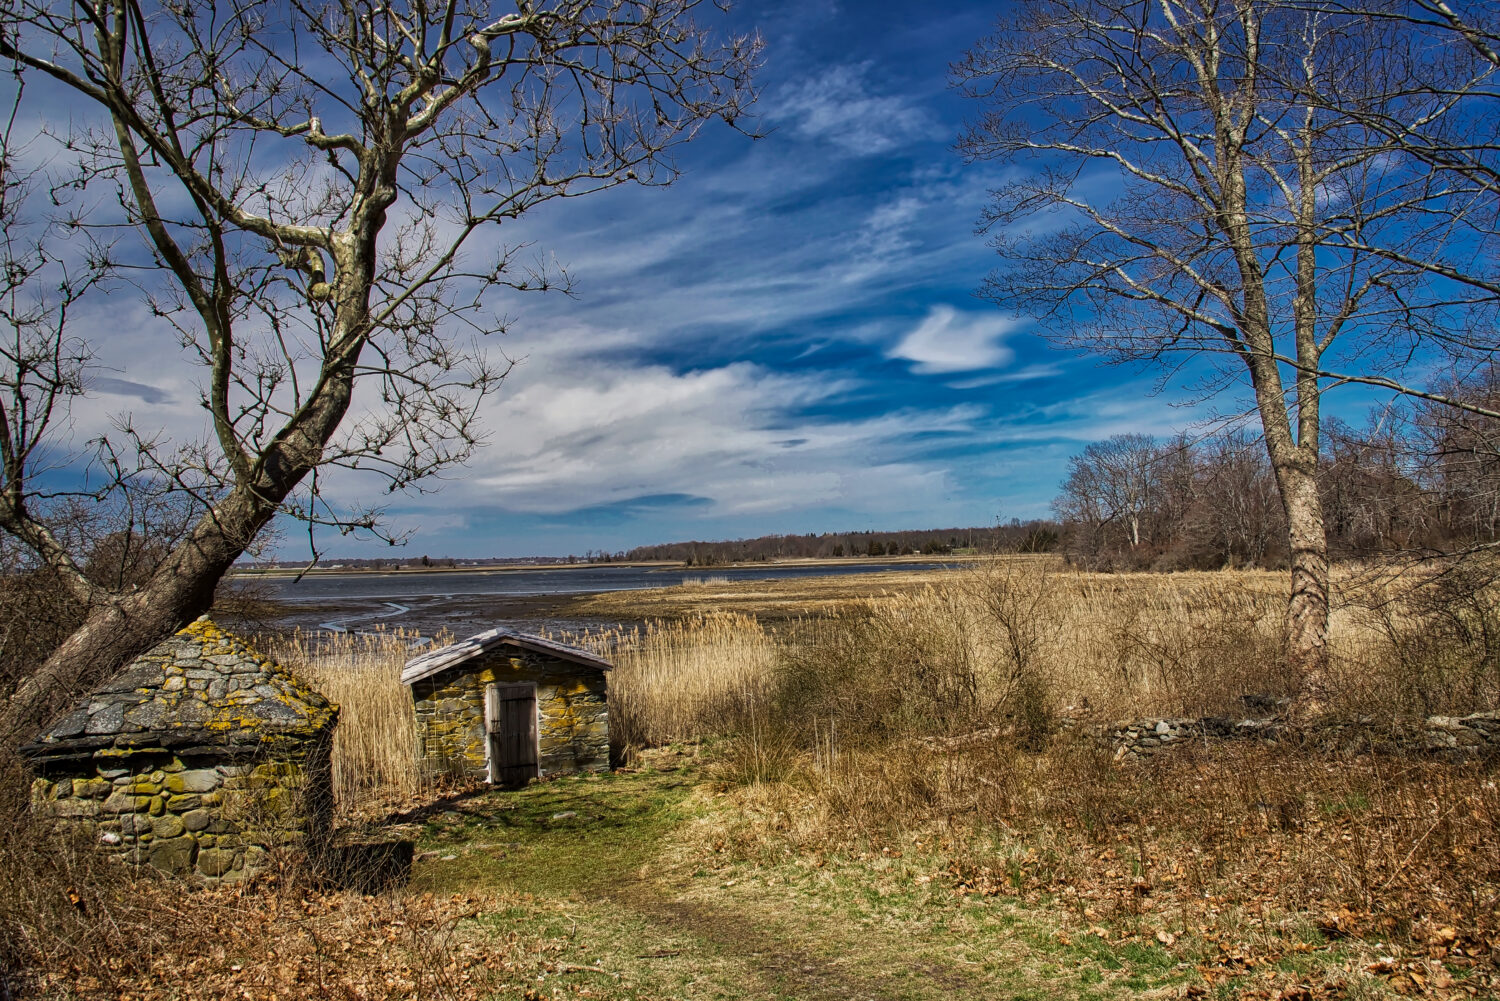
(510, 717)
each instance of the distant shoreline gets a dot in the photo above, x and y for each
(809, 561)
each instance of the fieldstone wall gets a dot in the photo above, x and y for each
(573, 729)
(1474, 735)
(1453, 737)
(1142, 738)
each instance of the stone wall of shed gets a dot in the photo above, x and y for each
(573, 728)
(204, 817)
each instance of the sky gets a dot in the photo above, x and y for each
(786, 340)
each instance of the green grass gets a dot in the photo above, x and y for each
(611, 889)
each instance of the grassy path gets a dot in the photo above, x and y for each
(613, 898)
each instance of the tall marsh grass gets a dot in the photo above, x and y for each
(685, 680)
(1013, 647)
(375, 743)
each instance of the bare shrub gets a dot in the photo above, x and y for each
(1422, 638)
(1019, 601)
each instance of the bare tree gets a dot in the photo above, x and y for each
(1113, 483)
(296, 190)
(1199, 186)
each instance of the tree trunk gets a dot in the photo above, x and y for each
(1307, 606)
(122, 627)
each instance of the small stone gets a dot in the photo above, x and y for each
(1163, 727)
(113, 773)
(180, 804)
(197, 820)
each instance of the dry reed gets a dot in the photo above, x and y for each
(686, 679)
(374, 754)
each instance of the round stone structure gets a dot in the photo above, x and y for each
(198, 757)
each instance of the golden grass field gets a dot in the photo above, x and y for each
(885, 786)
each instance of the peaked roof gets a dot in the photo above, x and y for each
(433, 661)
(201, 688)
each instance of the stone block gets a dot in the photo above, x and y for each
(197, 820)
(108, 719)
(92, 788)
(135, 823)
(174, 854)
(195, 780)
(167, 826)
(120, 801)
(216, 862)
(179, 804)
(74, 808)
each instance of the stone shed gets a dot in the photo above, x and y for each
(197, 757)
(507, 707)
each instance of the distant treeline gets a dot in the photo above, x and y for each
(1420, 478)
(1017, 536)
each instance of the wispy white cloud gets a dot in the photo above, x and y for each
(949, 341)
(581, 433)
(839, 106)
(1029, 373)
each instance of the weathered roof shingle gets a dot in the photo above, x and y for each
(203, 690)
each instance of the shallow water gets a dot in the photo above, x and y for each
(465, 602)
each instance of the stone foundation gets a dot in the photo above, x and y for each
(195, 817)
(573, 725)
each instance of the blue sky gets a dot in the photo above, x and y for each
(786, 340)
